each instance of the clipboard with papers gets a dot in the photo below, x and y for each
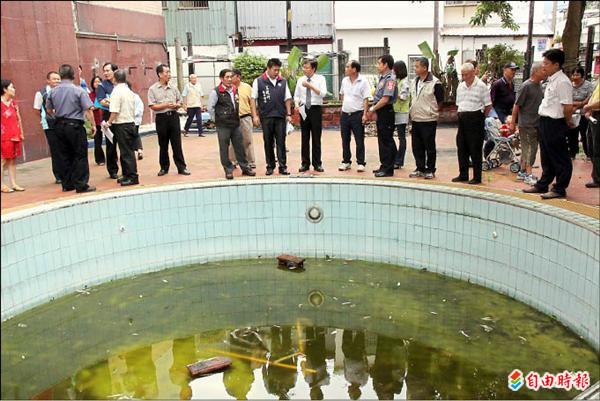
(107, 132)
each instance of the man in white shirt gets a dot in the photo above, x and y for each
(474, 103)
(122, 124)
(310, 91)
(39, 104)
(555, 119)
(192, 101)
(274, 109)
(355, 92)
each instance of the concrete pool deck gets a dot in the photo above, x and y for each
(202, 156)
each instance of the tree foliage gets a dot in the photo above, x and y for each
(293, 70)
(503, 9)
(495, 58)
(251, 66)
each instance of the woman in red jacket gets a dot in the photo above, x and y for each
(11, 136)
(98, 152)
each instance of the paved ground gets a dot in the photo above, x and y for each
(202, 157)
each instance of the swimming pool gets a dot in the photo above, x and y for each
(543, 256)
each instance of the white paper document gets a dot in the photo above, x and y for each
(302, 111)
(107, 132)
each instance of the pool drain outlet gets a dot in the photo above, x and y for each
(314, 214)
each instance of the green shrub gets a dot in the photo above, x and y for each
(251, 66)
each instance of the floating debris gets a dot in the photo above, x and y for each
(290, 261)
(134, 334)
(22, 356)
(21, 325)
(84, 292)
(366, 317)
(523, 339)
(72, 307)
(165, 281)
(486, 328)
(335, 298)
(433, 313)
(465, 334)
(209, 366)
(141, 296)
(333, 332)
(488, 319)
(398, 284)
(299, 305)
(350, 280)
(346, 303)
(390, 317)
(353, 305)
(327, 257)
(444, 300)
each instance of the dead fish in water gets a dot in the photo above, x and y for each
(366, 317)
(488, 319)
(433, 313)
(486, 328)
(465, 334)
(523, 339)
(346, 303)
(247, 337)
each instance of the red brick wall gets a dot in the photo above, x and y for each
(37, 36)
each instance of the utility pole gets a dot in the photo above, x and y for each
(178, 64)
(529, 52)
(436, 26)
(554, 8)
(288, 7)
(190, 52)
(589, 51)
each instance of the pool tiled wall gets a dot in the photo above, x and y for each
(543, 256)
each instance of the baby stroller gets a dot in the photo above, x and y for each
(504, 150)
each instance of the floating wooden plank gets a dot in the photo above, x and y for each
(209, 366)
(290, 261)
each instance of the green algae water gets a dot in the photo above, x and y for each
(340, 329)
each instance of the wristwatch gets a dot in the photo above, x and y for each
(371, 109)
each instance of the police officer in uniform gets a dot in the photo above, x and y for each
(68, 103)
(383, 101)
(223, 105)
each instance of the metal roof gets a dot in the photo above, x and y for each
(267, 19)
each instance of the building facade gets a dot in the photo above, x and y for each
(38, 37)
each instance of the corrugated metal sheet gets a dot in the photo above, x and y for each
(267, 20)
(208, 26)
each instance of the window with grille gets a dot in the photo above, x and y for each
(367, 57)
(164, 5)
(461, 3)
(411, 66)
(193, 4)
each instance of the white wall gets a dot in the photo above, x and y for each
(383, 14)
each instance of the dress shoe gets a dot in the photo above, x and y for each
(592, 184)
(184, 172)
(302, 169)
(553, 195)
(534, 190)
(229, 175)
(383, 174)
(114, 176)
(377, 170)
(284, 171)
(252, 165)
(460, 179)
(162, 172)
(397, 166)
(474, 182)
(248, 172)
(86, 189)
(129, 181)
(201, 135)
(58, 181)
(269, 171)
(140, 155)
(319, 169)
(185, 133)
(68, 189)
(120, 179)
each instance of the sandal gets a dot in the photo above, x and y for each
(7, 190)
(18, 188)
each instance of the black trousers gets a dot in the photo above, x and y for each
(554, 152)
(311, 128)
(193, 112)
(98, 152)
(125, 138)
(168, 130)
(423, 145)
(73, 153)
(573, 138)
(137, 145)
(469, 143)
(112, 158)
(57, 165)
(593, 145)
(401, 145)
(274, 133)
(233, 136)
(385, 138)
(352, 123)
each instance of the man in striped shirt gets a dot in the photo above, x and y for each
(474, 103)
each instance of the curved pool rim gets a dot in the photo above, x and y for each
(544, 256)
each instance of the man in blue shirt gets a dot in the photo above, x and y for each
(383, 100)
(103, 98)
